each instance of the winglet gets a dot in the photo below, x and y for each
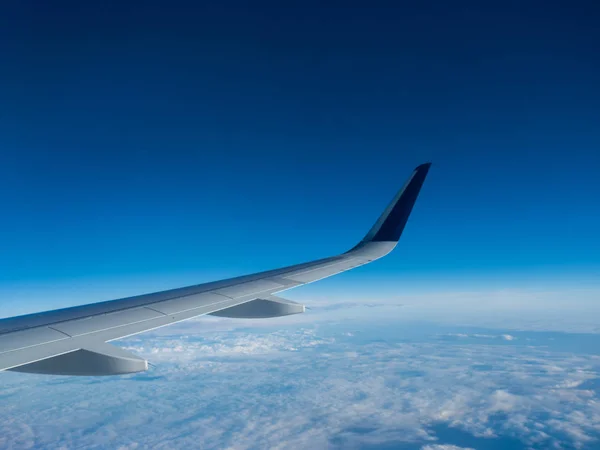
(391, 223)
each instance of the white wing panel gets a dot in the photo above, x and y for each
(313, 274)
(28, 338)
(187, 303)
(36, 353)
(138, 327)
(250, 288)
(105, 321)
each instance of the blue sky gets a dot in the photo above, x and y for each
(146, 142)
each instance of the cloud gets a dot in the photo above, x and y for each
(505, 337)
(444, 447)
(347, 385)
(535, 307)
(503, 401)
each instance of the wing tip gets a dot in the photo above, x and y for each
(391, 223)
(424, 166)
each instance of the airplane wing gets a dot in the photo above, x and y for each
(73, 341)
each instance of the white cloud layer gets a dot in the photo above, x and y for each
(445, 447)
(346, 385)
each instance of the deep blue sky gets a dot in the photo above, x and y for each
(161, 138)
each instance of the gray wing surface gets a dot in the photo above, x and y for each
(73, 341)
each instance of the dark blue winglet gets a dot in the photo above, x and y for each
(391, 223)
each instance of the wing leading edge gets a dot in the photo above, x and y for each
(73, 341)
